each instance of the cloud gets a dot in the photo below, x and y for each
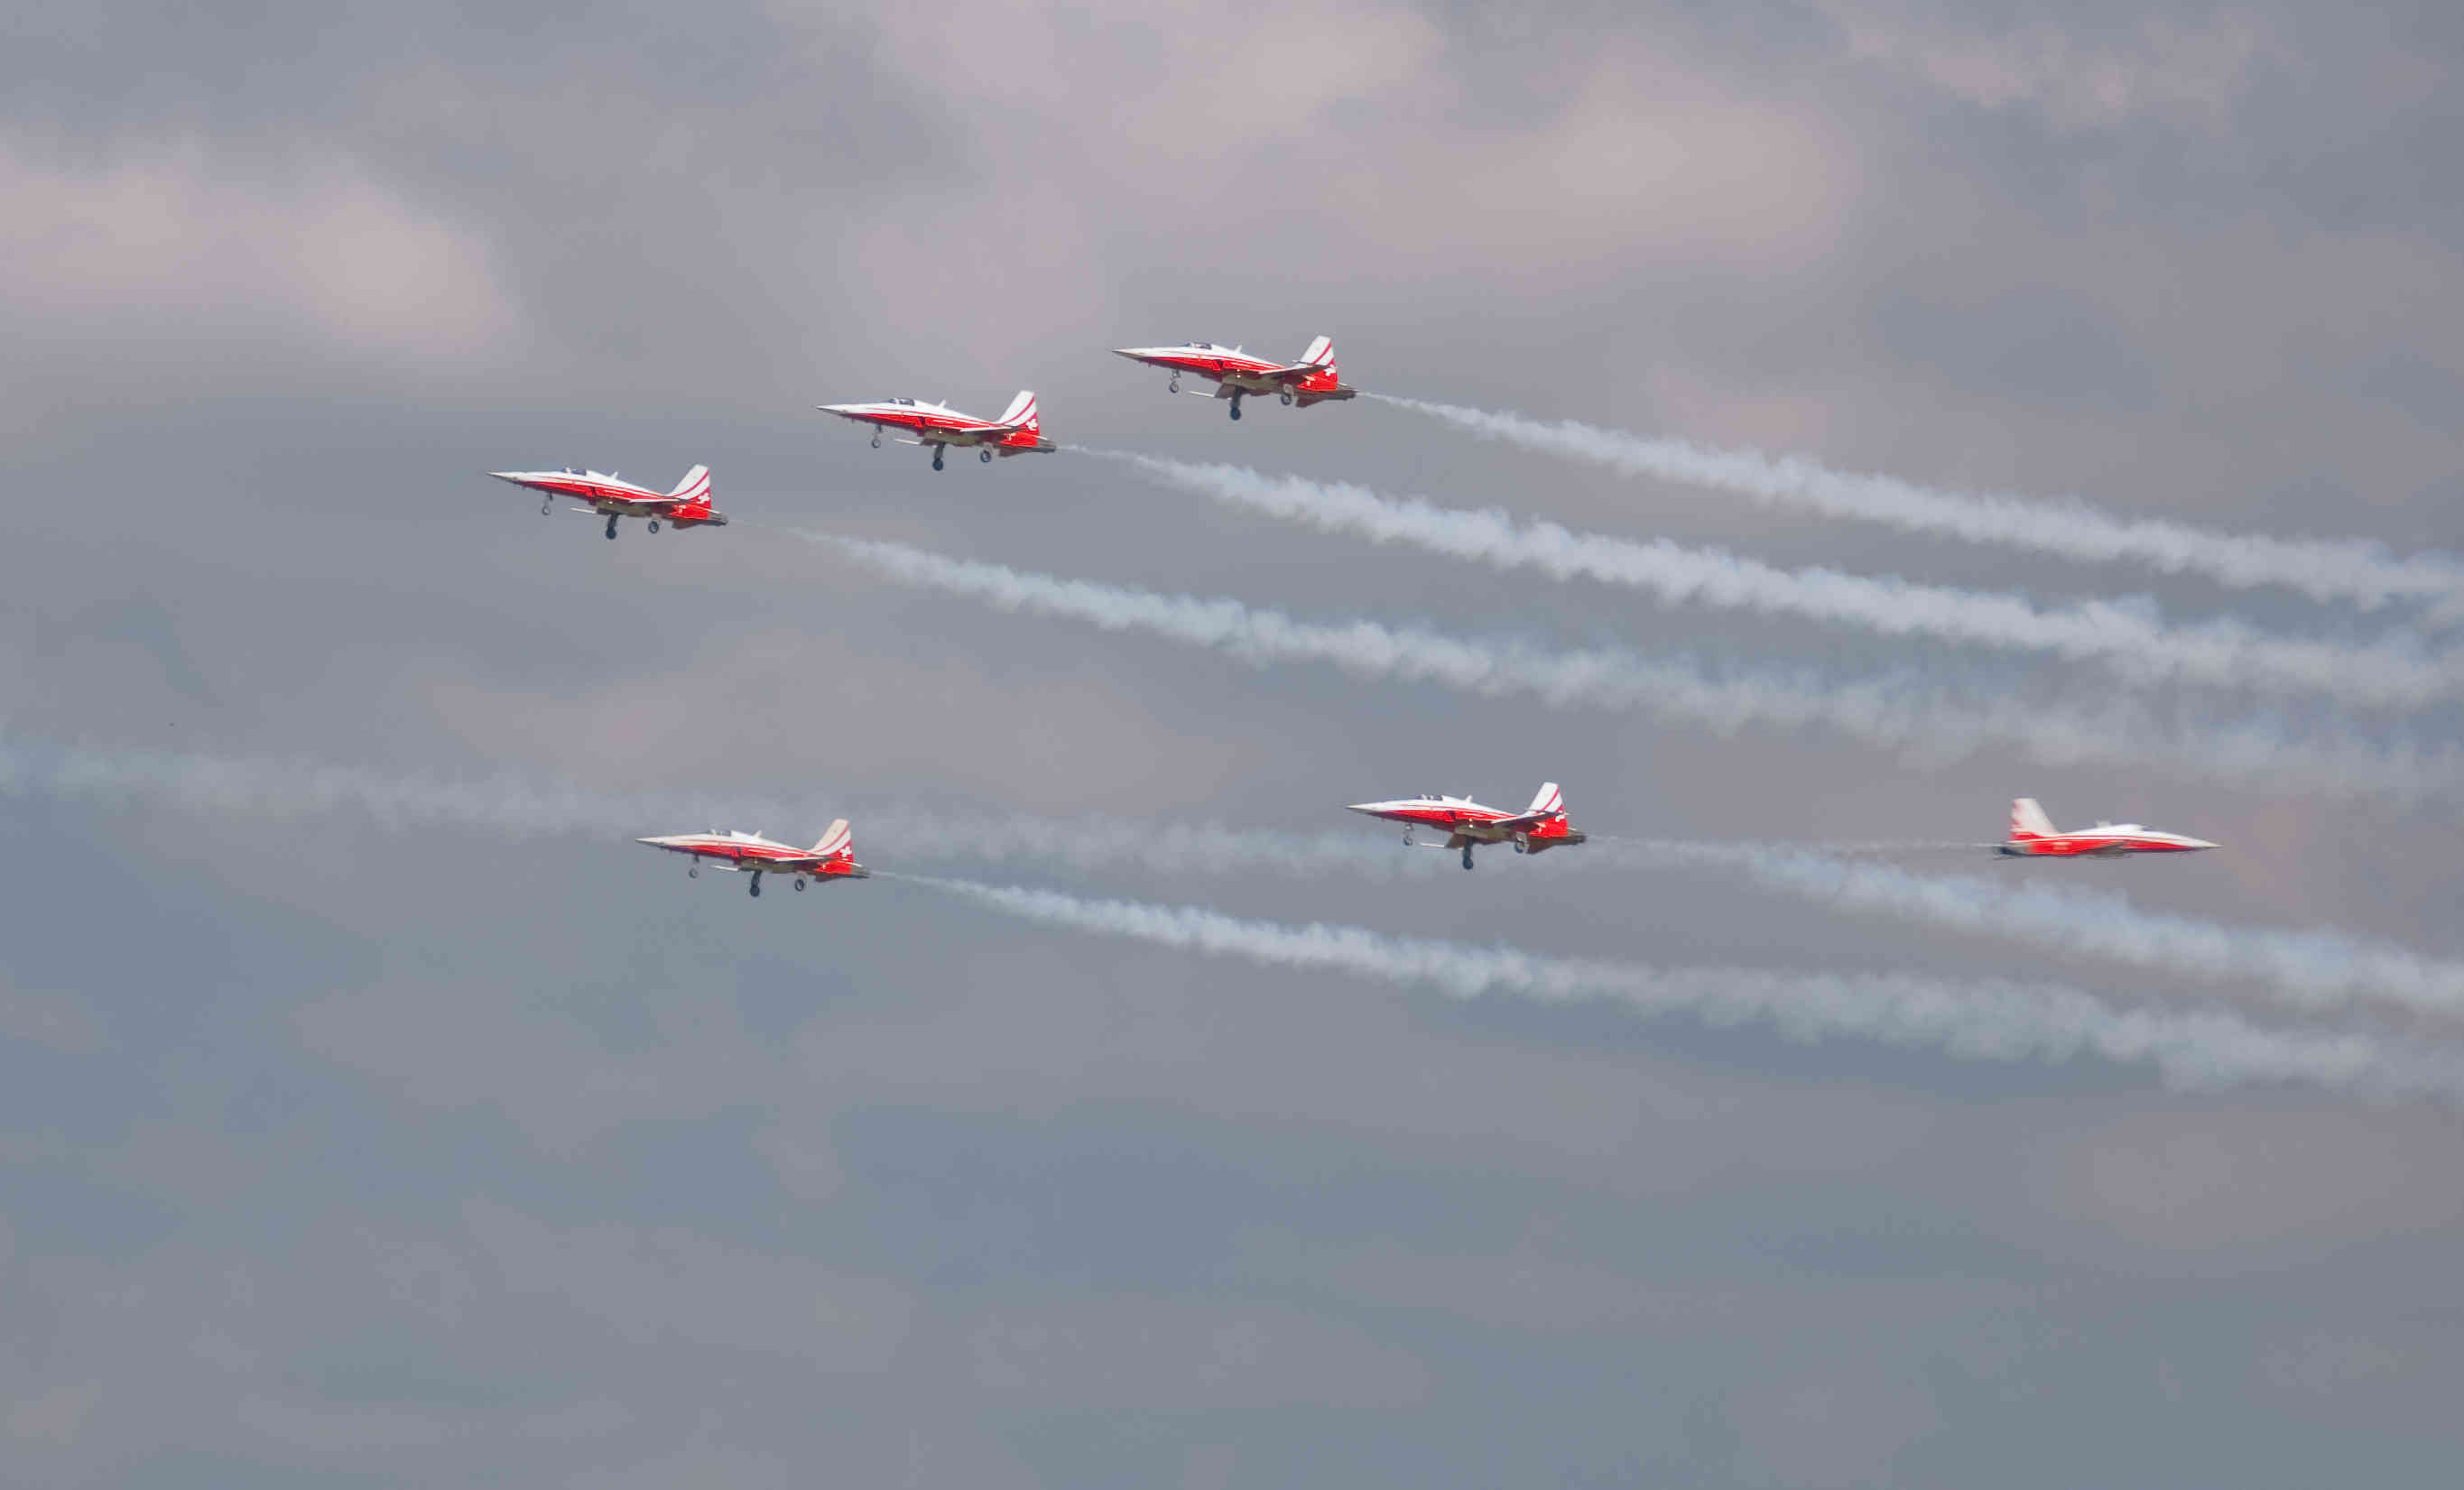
(177, 243)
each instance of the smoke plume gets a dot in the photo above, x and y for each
(2324, 569)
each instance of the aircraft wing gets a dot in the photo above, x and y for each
(1523, 820)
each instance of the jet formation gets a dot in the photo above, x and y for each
(1234, 375)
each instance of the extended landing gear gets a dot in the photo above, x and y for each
(937, 457)
(800, 885)
(876, 439)
(694, 873)
(1236, 405)
(654, 525)
(1523, 845)
(757, 883)
(547, 507)
(1176, 383)
(1467, 856)
(611, 527)
(1287, 398)
(985, 455)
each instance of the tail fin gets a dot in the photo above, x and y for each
(1022, 413)
(1550, 802)
(1320, 354)
(839, 842)
(2029, 820)
(695, 487)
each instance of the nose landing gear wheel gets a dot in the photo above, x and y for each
(986, 456)
(694, 873)
(937, 457)
(1467, 856)
(547, 507)
(1176, 384)
(876, 439)
(654, 525)
(800, 887)
(611, 527)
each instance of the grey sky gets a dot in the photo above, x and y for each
(338, 1153)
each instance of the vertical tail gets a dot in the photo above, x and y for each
(695, 487)
(1320, 354)
(1021, 413)
(839, 842)
(2029, 820)
(1549, 801)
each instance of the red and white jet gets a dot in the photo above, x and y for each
(833, 857)
(1018, 432)
(2033, 836)
(687, 506)
(1235, 373)
(1540, 826)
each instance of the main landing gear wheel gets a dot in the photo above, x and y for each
(1287, 398)
(1522, 846)
(876, 439)
(1407, 840)
(1236, 405)
(1176, 383)
(547, 507)
(757, 883)
(1467, 856)
(694, 873)
(611, 527)
(984, 455)
(654, 525)
(937, 457)
(800, 887)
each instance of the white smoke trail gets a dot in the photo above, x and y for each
(2314, 969)
(1990, 1020)
(1904, 712)
(2130, 636)
(2324, 569)
(522, 807)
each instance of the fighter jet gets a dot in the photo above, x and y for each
(1236, 373)
(831, 859)
(2033, 836)
(1018, 432)
(609, 496)
(1466, 822)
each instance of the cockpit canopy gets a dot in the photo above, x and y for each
(902, 403)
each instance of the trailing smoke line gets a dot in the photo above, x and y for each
(2324, 569)
(1997, 1020)
(519, 808)
(1904, 712)
(2314, 971)
(2129, 636)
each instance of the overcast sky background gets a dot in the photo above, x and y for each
(337, 1153)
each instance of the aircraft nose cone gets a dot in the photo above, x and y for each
(1369, 809)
